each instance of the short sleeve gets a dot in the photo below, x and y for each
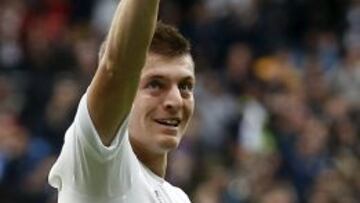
(87, 133)
(86, 166)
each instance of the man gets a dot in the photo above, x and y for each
(134, 112)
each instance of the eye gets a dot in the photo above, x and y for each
(154, 85)
(186, 86)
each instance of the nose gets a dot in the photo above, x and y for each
(173, 100)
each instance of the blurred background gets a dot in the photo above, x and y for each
(277, 99)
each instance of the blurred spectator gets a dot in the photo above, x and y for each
(346, 79)
(212, 95)
(102, 15)
(238, 63)
(63, 101)
(281, 193)
(211, 189)
(11, 20)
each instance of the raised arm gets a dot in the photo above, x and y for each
(114, 85)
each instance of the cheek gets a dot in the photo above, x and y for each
(137, 111)
(189, 108)
(143, 106)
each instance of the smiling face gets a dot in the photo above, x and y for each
(164, 103)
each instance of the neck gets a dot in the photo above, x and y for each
(155, 162)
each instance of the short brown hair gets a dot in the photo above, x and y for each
(167, 41)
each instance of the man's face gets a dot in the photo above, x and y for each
(164, 103)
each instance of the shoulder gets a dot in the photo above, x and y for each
(177, 193)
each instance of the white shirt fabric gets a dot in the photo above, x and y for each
(89, 172)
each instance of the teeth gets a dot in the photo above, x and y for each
(173, 122)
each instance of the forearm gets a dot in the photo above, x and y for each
(113, 88)
(131, 32)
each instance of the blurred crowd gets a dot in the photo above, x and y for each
(277, 99)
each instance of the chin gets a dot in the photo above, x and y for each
(169, 143)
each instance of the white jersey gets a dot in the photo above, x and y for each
(89, 172)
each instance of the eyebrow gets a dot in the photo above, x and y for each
(152, 77)
(192, 79)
